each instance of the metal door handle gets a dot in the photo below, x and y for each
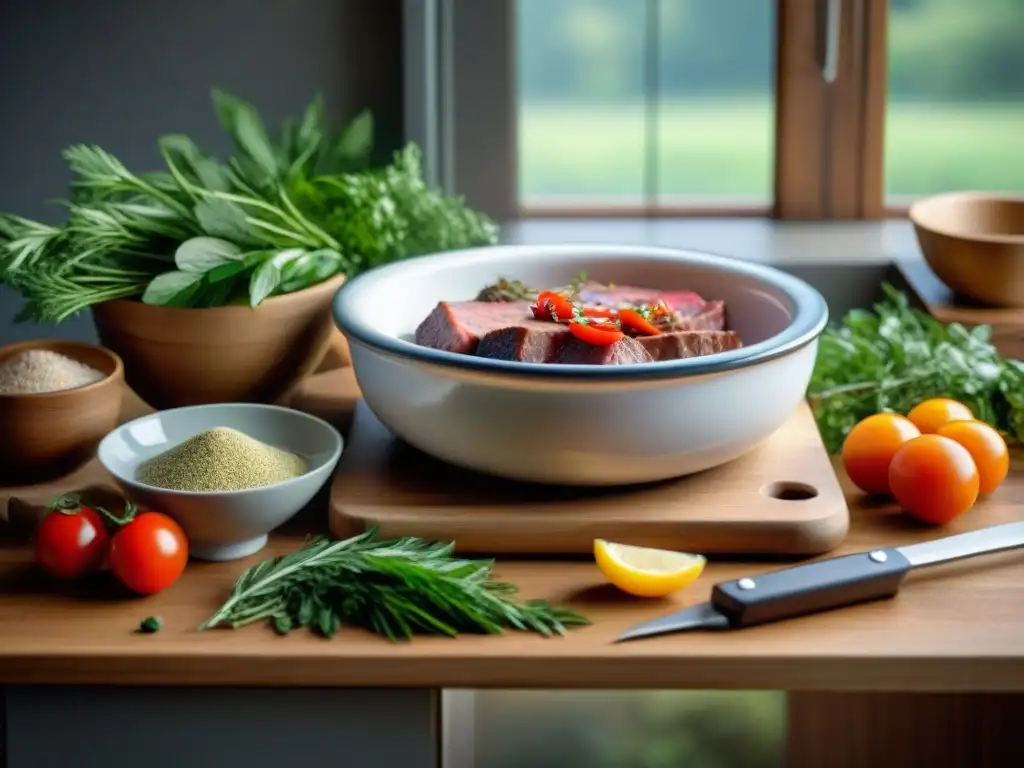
(830, 60)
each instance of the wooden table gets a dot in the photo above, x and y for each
(953, 629)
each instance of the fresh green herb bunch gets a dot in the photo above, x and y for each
(277, 217)
(396, 588)
(896, 356)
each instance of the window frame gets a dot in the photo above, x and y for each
(461, 108)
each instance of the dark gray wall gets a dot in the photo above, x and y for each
(119, 73)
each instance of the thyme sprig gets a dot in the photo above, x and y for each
(397, 588)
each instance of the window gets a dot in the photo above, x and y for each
(801, 109)
(955, 111)
(639, 103)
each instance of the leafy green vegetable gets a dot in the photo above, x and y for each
(896, 356)
(396, 588)
(201, 254)
(281, 215)
(163, 288)
(150, 624)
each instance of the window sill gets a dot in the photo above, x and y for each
(781, 243)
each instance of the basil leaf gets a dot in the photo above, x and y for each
(309, 269)
(226, 271)
(225, 219)
(286, 151)
(356, 141)
(214, 293)
(183, 155)
(163, 288)
(311, 128)
(264, 281)
(201, 254)
(249, 176)
(241, 120)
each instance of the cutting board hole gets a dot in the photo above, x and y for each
(790, 491)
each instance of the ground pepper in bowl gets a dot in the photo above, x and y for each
(220, 459)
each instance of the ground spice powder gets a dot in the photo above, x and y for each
(36, 371)
(220, 459)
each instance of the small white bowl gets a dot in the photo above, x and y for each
(224, 525)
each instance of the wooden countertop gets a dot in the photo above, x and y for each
(958, 627)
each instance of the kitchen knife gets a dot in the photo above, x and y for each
(825, 584)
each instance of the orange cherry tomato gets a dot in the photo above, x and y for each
(149, 553)
(929, 415)
(552, 302)
(934, 479)
(870, 446)
(636, 321)
(595, 333)
(986, 446)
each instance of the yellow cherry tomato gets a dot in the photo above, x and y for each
(929, 415)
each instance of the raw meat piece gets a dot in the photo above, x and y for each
(532, 341)
(626, 351)
(456, 326)
(683, 344)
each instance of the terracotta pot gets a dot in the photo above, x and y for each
(50, 434)
(175, 357)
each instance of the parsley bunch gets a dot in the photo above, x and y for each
(892, 358)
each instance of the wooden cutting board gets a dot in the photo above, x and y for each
(781, 498)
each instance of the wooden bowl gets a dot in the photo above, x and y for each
(177, 357)
(50, 434)
(974, 242)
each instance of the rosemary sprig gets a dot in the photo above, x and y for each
(286, 212)
(397, 588)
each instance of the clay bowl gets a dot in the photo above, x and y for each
(974, 242)
(48, 435)
(177, 357)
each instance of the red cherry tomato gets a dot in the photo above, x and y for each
(596, 333)
(934, 479)
(149, 553)
(553, 303)
(71, 542)
(631, 318)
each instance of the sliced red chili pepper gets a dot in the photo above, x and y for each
(596, 333)
(552, 303)
(631, 318)
(604, 312)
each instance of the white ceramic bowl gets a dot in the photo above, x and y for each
(230, 524)
(581, 424)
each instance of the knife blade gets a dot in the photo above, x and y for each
(825, 584)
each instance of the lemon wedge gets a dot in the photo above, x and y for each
(646, 572)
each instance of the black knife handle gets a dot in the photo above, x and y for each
(810, 588)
